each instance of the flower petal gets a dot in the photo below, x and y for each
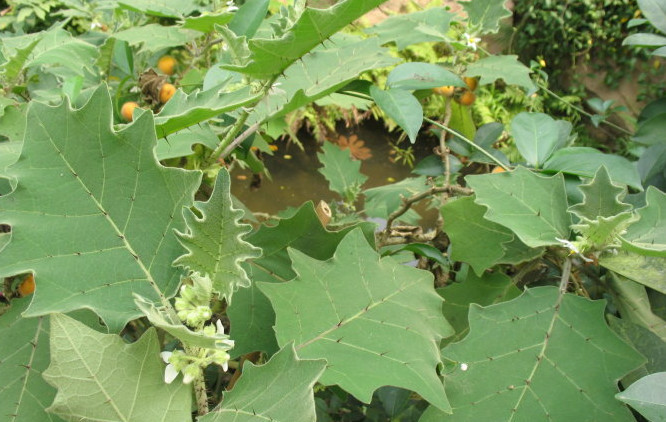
(170, 374)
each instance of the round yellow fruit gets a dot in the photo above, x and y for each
(27, 286)
(166, 92)
(127, 110)
(467, 98)
(446, 90)
(472, 83)
(167, 65)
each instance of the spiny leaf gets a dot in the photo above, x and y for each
(648, 235)
(251, 314)
(279, 391)
(532, 206)
(356, 308)
(24, 354)
(412, 28)
(93, 212)
(519, 365)
(270, 57)
(486, 14)
(100, 377)
(215, 241)
(602, 197)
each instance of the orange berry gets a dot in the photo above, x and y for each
(27, 286)
(446, 90)
(167, 65)
(127, 110)
(498, 169)
(467, 98)
(472, 83)
(166, 92)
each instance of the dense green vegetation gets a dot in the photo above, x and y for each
(137, 288)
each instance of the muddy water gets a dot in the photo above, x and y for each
(296, 179)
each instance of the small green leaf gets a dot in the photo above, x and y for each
(532, 206)
(536, 136)
(518, 362)
(24, 355)
(647, 270)
(413, 28)
(179, 144)
(486, 14)
(206, 23)
(584, 162)
(161, 8)
(215, 242)
(647, 396)
(648, 235)
(645, 342)
(417, 75)
(248, 17)
(100, 377)
(279, 391)
(342, 172)
(154, 37)
(633, 303)
(474, 239)
(401, 106)
(355, 308)
(602, 198)
(508, 68)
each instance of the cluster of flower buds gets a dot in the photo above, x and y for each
(193, 304)
(191, 366)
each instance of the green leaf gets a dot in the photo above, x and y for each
(532, 206)
(183, 110)
(154, 37)
(251, 314)
(279, 391)
(602, 197)
(536, 136)
(633, 304)
(584, 162)
(17, 59)
(100, 377)
(474, 239)
(401, 106)
(248, 17)
(519, 365)
(508, 68)
(645, 40)
(645, 342)
(179, 144)
(375, 321)
(93, 213)
(342, 172)
(206, 22)
(270, 57)
(322, 72)
(647, 396)
(488, 289)
(161, 8)
(24, 355)
(413, 28)
(215, 242)
(486, 14)
(418, 75)
(655, 12)
(648, 235)
(647, 270)
(651, 130)
(383, 200)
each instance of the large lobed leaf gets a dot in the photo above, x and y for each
(375, 321)
(270, 57)
(532, 206)
(486, 14)
(100, 377)
(215, 242)
(341, 171)
(278, 391)
(648, 235)
(542, 356)
(93, 213)
(24, 355)
(507, 68)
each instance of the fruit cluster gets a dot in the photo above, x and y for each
(464, 96)
(167, 65)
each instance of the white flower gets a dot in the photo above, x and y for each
(231, 7)
(471, 41)
(464, 367)
(170, 373)
(573, 249)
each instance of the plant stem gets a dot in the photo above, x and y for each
(467, 141)
(566, 272)
(199, 384)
